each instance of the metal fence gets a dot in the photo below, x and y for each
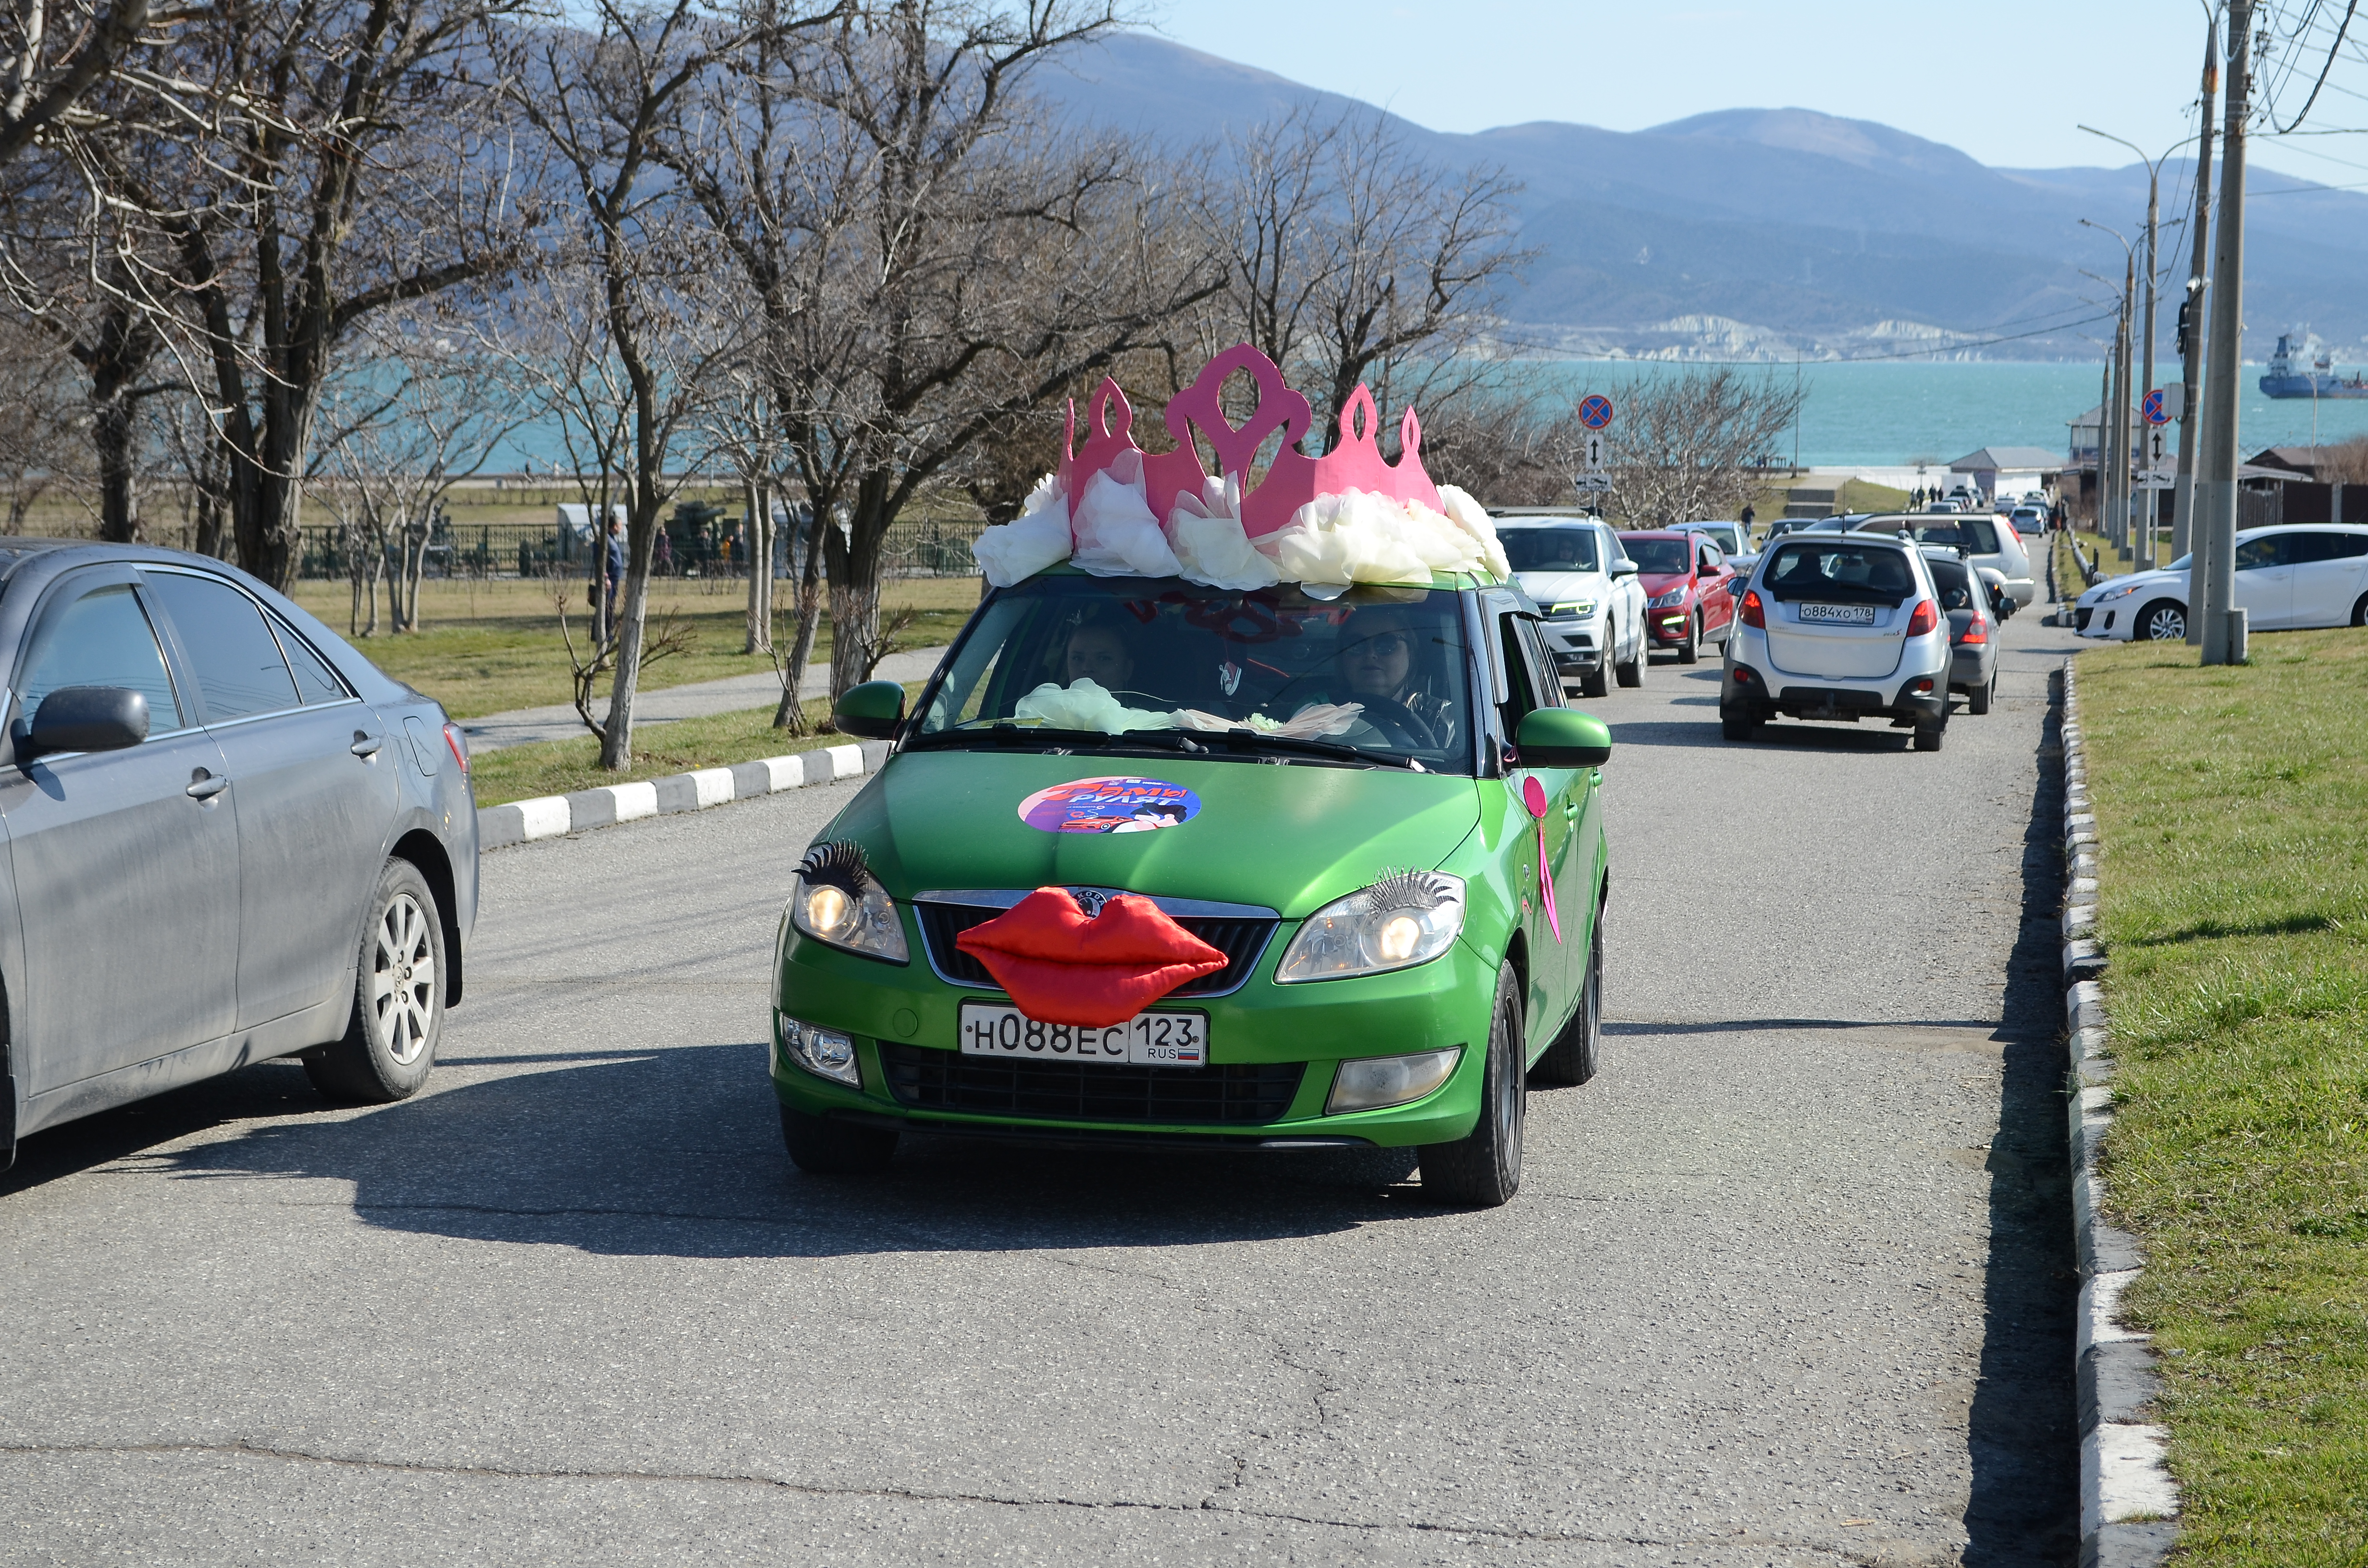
(913, 549)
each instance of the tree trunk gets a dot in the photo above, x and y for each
(641, 539)
(854, 567)
(110, 433)
(761, 571)
(791, 714)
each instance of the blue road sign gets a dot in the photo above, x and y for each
(2155, 412)
(1595, 411)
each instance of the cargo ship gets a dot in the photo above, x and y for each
(2319, 381)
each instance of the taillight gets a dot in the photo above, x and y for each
(1979, 631)
(1926, 618)
(1754, 612)
(459, 748)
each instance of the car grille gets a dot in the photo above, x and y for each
(2081, 618)
(1241, 940)
(1235, 1094)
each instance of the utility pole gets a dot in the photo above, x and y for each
(2146, 385)
(2117, 492)
(2190, 342)
(2224, 635)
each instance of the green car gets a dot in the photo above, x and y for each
(1346, 796)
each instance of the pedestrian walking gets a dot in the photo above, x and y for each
(614, 570)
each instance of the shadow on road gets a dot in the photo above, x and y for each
(676, 1152)
(257, 1094)
(2023, 1432)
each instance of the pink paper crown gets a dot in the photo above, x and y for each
(1295, 478)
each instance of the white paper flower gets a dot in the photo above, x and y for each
(1085, 704)
(1206, 532)
(1473, 518)
(1038, 538)
(1116, 534)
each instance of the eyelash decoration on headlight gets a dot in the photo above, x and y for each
(837, 863)
(1408, 890)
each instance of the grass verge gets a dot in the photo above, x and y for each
(2233, 806)
(489, 647)
(558, 767)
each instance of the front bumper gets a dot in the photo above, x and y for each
(1444, 1003)
(1669, 628)
(1574, 644)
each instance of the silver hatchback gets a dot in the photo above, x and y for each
(1838, 627)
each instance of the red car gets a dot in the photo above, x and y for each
(1689, 591)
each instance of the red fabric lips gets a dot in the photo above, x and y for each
(1062, 966)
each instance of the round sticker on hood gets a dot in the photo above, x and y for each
(1110, 805)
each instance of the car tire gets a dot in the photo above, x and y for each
(1978, 701)
(1595, 682)
(1689, 651)
(819, 1146)
(1483, 1170)
(2359, 611)
(2164, 620)
(397, 1016)
(1571, 1059)
(1927, 737)
(1630, 674)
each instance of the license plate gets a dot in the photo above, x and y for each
(1840, 615)
(1146, 1039)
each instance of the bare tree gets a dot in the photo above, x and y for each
(40, 420)
(955, 263)
(420, 409)
(1685, 444)
(2345, 462)
(53, 52)
(319, 163)
(1352, 260)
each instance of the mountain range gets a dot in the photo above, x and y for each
(1757, 233)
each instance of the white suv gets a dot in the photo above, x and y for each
(1584, 586)
(1838, 627)
(1985, 540)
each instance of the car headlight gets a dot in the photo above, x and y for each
(1576, 610)
(1371, 1082)
(2123, 592)
(1397, 923)
(825, 1053)
(1669, 600)
(836, 899)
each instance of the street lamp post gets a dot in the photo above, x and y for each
(2153, 211)
(2121, 391)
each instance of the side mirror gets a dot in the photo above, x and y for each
(872, 710)
(84, 717)
(1563, 737)
(1623, 568)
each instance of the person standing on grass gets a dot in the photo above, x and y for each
(614, 570)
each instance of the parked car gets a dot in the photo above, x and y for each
(2289, 576)
(229, 839)
(1973, 650)
(1733, 541)
(1586, 588)
(1985, 541)
(1373, 958)
(1846, 629)
(1686, 583)
(2027, 520)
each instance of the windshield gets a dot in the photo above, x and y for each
(1723, 535)
(1661, 557)
(1377, 674)
(1551, 549)
(1841, 569)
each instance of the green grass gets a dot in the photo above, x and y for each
(491, 647)
(2233, 806)
(558, 767)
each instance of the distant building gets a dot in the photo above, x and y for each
(2085, 428)
(2008, 469)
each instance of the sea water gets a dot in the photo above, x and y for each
(1893, 413)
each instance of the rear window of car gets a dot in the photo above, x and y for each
(1981, 535)
(1841, 568)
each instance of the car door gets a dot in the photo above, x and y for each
(2264, 581)
(1627, 593)
(1554, 969)
(2325, 575)
(126, 862)
(1711, 587)
(312, 783)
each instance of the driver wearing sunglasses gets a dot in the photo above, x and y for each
(1377, 664)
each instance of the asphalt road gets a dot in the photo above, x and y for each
(1788, 1283)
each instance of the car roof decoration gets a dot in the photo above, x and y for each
(1352, 516)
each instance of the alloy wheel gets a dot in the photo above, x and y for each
(2166, 623)
(403, 978)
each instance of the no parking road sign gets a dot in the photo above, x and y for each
(1595, 411)
(2157, 411)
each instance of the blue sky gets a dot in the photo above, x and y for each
(2007, 81)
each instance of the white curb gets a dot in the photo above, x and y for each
(2128, 1500)
(554, 816)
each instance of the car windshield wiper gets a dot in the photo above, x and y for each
(1005, 733)
(1244, 737)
